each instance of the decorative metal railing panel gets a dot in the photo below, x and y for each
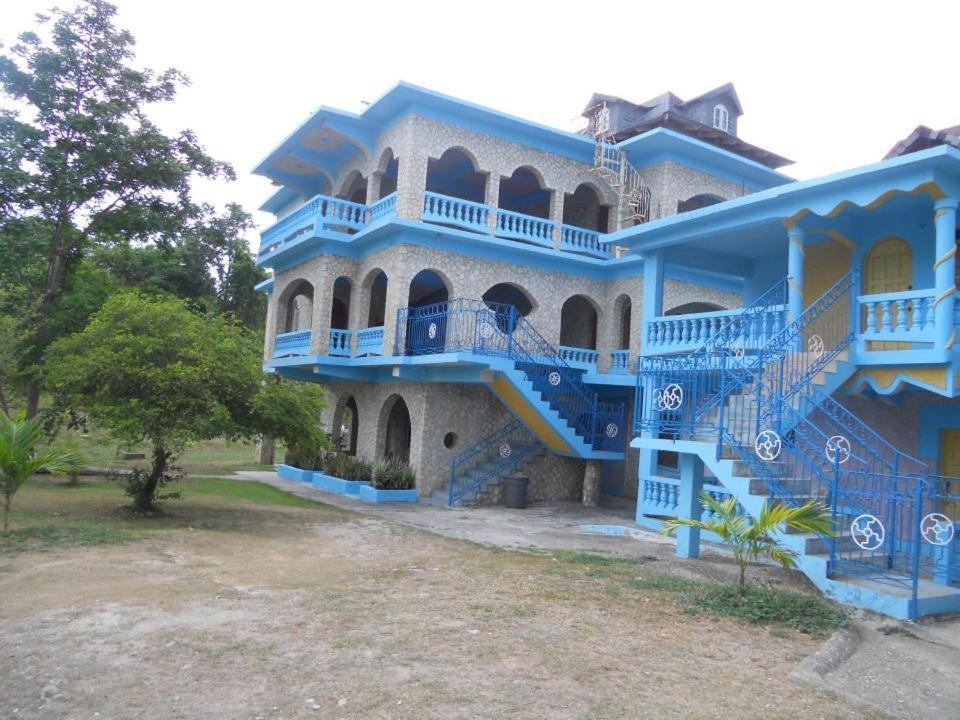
(491, 457)
(369, 342)
(496, 329)
(524, 227)
(292, 343)
(384, 207)
(338, 343)
(581, 240)
(582, 358)
(453, 211)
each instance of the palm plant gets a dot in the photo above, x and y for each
(751, 538)
(20, 458)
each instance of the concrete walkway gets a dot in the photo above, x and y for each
(904, 670)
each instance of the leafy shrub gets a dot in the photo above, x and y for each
(393, 474)
(346, 467)
(304, 458)
(134, 482)
(808, 614)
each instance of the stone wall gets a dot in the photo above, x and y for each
(671, 182)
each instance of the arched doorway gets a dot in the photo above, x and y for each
(340, 307)
(427, 308)
(346, 425)
(355, 189)
(507, 294)
(888, 268)
(578, 323)
(583, 209)
(694, 308)
(396, 437)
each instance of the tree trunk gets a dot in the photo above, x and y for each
(56, 261)
(144, 502)
(3, 403)
(743, 576)
(6, 512)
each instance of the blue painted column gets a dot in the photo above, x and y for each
(944, 267)
(653, 267)
(688, 504)
(795, 236)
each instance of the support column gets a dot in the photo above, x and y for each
(688, 504)
(591, 483)
(491, 198)
(411, 184)
(556, 214)
(795, 274)
(944, 267)
(320, 312)
(652, 308)
(373, 187)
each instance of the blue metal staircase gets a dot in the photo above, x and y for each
(763, 422)
(528, 373)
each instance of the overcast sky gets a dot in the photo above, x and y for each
(830, 85)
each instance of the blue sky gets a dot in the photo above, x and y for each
(831, 85)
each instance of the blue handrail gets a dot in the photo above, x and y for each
(490, 457)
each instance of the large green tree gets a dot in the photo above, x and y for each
(79, 157)
(148, 368)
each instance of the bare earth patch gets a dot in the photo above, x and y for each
(277, 611)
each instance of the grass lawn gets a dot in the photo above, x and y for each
(246, 602)
(214, 457)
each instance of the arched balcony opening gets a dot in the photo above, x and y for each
(374, 290)
(455, 174)
(694, 308)
(395, 429)
(583, 209)
(426, 330)
(624, 309)
(578, 332)
(346, 424)
(298, 308)
(355, 188)
(523, 193)
(389, 169)
(294, 320)
(507, 294)
(698, 201)
(339, 339)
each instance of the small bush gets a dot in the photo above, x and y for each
(347, 467)
(768, 606)
(304, 458)
(393, 474)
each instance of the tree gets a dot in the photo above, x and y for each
(752, 538)
(20, 458)
(150, 369)
(79, 157)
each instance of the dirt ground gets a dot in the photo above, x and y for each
(233, 608)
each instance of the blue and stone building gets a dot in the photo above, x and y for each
(646, 309)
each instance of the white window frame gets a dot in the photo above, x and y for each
(721, 118)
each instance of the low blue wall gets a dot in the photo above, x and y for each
(320, 480)
(370, 494)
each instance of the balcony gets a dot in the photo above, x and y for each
(335, 215)
(682, 333)
(369, 342)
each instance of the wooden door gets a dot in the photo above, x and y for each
(950, 464)
(888, 268)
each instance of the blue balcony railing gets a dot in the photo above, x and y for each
(338, 344)
(369, 342)
(292, 343)
(383, 208)
(674, 333)
(579, 358)
(620, 362)
(320, 213)
(456, 212)
(898, 316)
(583, 241)
(530, 229)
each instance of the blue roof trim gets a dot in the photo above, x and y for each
(279, 200)
(662, 144)
(819, 196)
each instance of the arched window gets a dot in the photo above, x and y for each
(298, 314)
(388, 173)
(721, 118)
(509, 294)
(694, 308)
(578, 323)
(376, 314)
(355, 190)
(427, 320)
(698, 201)
(623, 315)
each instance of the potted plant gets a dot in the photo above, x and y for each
(392, 481)
(342, 474)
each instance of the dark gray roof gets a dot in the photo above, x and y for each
(667, 101)
(923, 137)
